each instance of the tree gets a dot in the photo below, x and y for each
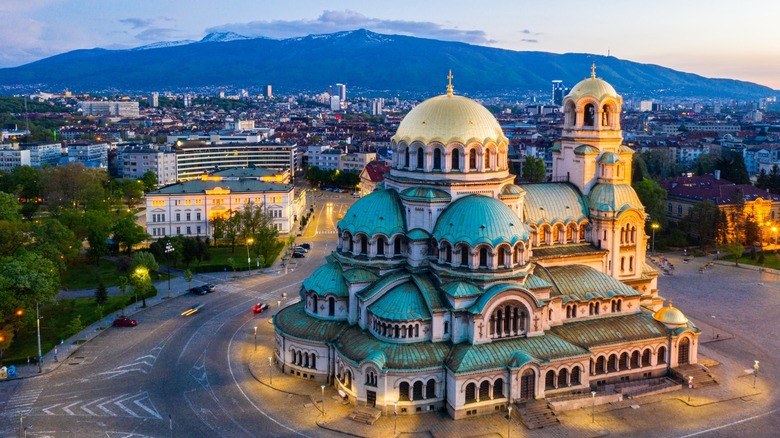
(661, 163)
(25, 279)
(75, 325)
(132, 191)
(774, 180)
(143, 264)
(705, 164)
(638, 169)
(13, 236)
(149, 180)
(128, 233)
(652, 197)
(732, 168)
(218, 226)
(233, 229)
(188, 277)
(55, 242)
(533, 169)
(122, 282)
(702, 222)
(101, 294)
(9, 207)
(735, 249)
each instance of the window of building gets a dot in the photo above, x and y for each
(189, 230)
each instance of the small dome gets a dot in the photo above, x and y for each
(614, 197)
(670, 315)
(511, 190)
(449, 118)
(476, 219)
(379, 212)
(586, 149)
(610, 158)
(425, 194)
(401, 303)
(592, 87)
(327, 280)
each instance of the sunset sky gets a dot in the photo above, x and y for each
(715, 38)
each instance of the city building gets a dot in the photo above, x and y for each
(269, 91)
(372, 175)
(257, 135)
(558, 92)
(187, 208)
(325, 157)
(194, 158)
(335, 103)
(377, 106)
(43, 154)
(109, 108)
(154, 99)
(136, 160)
(453, 289)
(340, 90)
(89, 154)
(11, 158)
(355, 161)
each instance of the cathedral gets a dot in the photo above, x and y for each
(453, 288)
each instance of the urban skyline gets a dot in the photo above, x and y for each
(691, 40)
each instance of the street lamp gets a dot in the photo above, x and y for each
(690, 387)
(249, 241)
(509, 422)
(774, 232)
(270, 370)
(255, 338)
(38, 324)
(395, 418)
(141, 272)
(168, 251)
(593, 407)
(654, 226)
(755, 372)
(323, 400)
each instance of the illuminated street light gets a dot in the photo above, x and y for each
(270, 370)
(755, 372)
(168, 251)
(395, 418)
(255, 338)
(654, 226)
(509, 422)
(593, 407)
(249, 241)
(690, 387)
(323, 400)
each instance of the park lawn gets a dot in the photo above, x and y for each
(56, 324)
(771, 260)
(85, 274)
(220, 255)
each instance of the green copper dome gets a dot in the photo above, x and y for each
(327, 280)
(401, 303)
(377, 213)
(426, 194)
(614, 197)
(476, 219)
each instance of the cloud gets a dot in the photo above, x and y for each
(529, 40)
(157, 34)
(335, 21)
(151, 29)
(137, 23)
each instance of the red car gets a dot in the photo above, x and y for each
(124, 321)
(259, 307)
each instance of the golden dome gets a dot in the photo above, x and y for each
(449, 118)
(593, 87)
(670, 315)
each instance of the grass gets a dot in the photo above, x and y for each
(85, 274)
(771, 260)
(56, 324)
(221, 254)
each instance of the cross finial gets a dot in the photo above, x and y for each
(593, 71)
(449, 83)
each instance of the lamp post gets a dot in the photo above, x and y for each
(654, 226)
(270, 370)
(168, 251)
(509, 422)
(593, 407)
(755, 372)
(690, 387)
(395, 418)
(255, 338)
(323, 400)
(38, 325)
(774, 233)
(249, 241)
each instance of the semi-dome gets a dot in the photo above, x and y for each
(425, 194)
(592, 87)
(670, 315)
(327, 280)
(449, 118)
(377, 213)
(401, 303)
(610, 158)
(476, 219)
(614, 197)
(511, 190)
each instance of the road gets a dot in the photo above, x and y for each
(172, 375)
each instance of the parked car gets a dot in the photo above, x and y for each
(210, 287)
(198, 290)
(192, 310)
(124, 321)
(298, 255)
(355, 194)
(300, 249)
(259, 307)
(306, 246)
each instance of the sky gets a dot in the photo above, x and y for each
(714, 38)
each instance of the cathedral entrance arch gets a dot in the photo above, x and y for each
(527, 385)
(684, 351)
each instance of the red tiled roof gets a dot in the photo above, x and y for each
(376, 170)
(706, 187)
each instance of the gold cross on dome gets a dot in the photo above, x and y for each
(593, 71)
(449, 83)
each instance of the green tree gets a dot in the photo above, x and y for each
(533, 169)
(735, 249)
(101, 294)
(13, 236)
(638, 169)
(233, 229)
(774, 180)
(218, 226)
(128, 233)
(652, 197)
(661, 163)
(132, 191)
(704, 164)
(55, 242)
(149, 181)
(122, 282)
(188, 277)
(732, 168)
(10, 207)
(25, 279)
(143, 264)
(702, 222)
(75, 325)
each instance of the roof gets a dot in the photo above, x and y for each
(610, 158)
(379, 212)
(403, 302)
(294, 321)
(460, 289)
(589, 333)
(327, 280)
(359, 345)
(375, 171)
(553, 202)
(243, 172)
(476, 219)
(706, 187)
(447, 119)
(511, 353)
(592, 87)
(670, 315)
(359, 275)
(511, 190)
(614, 197)
(582, 283)
(567, 250)
(586, 149)
(425, 194)
(235, 186)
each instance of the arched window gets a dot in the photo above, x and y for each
(623, 365)
(498, 388)
(590, 115)
(472, 160)
(363, 245)
(661, 356)
(601, 365)
(455, 160)
(464, 255)
(635, 360)
(420, 159)
(430, 389)
(483, 257)
(314, 304)
(683, 351)
(350, 242)
(437, 159)
(612, 363)
(605, 116)
(331, 306)
(417, 391)
(501, 257)
(508, 320)
(484, 390)
(549, 380)
(646, 357)
(575, 376)
(406, 158)
(563, 377)
(397, 246)
(487, 159)
(471, 393)
(403, 391)
(380, 246)
(448, 253)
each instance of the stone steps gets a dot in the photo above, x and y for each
(702, 377)
(365, 415)
(536, 414)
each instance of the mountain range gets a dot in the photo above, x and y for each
(367, 62)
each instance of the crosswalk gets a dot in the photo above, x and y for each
(22, 402)
(137, 405)
(318, 232)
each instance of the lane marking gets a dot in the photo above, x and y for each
(744, 420)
